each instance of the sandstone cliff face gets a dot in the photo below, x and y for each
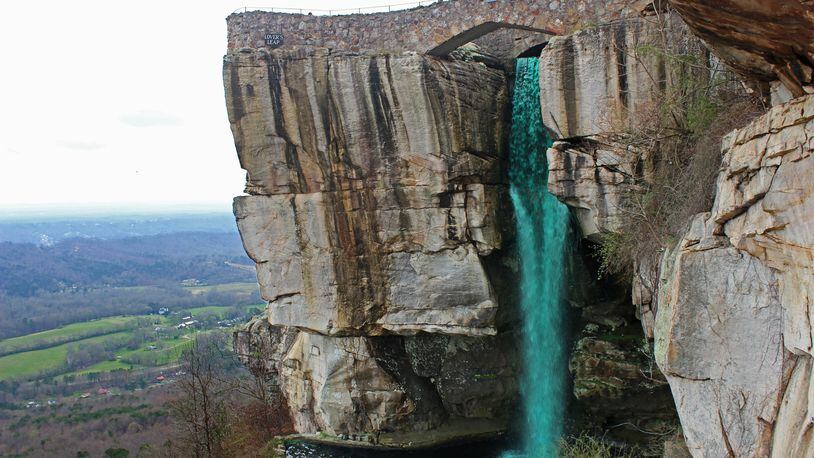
(377, 193)
(595, 85)
(376, 186)
(733, 328)
(598, 79)
(729, 305)
(594, 175)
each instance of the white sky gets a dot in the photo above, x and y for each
(116, 102)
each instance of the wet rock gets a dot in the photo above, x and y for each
(474, 377)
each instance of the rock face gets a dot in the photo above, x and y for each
(376, 188)
(594, 176)
(593, 86)
(733, 328)
(597, 79)
(376, 209)
(729, 305)
(763, 41)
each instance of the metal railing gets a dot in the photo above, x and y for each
(340, 11)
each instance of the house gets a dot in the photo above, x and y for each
(164, 311)
(160, 378)
(102, 391)
(84, 395)
(186, 324)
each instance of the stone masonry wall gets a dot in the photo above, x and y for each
(419, 29)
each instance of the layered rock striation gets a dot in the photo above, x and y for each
(597, 86)
(376, 186)
(733, 329)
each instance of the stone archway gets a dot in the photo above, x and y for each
(478, 31)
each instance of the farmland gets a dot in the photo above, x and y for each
(68, 333)
(130, 343)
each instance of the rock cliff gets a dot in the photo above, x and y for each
(728, 304)
(733, 330)
(377, 214)
(764, 41)
(595, 85)
(376, 186)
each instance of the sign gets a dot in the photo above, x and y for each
(275, 40)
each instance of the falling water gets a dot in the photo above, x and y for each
(542, 225)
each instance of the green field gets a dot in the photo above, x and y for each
(32, 363)
(67, 334)
(43, 354)
(104, 366)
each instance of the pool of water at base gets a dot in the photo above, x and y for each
(484, 449)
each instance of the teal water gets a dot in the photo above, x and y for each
(542, 227)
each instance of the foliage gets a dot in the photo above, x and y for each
(679, 139)
(221, 410)
(201, 410)
(586, 446)
(80, 264)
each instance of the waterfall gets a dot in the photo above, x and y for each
(542, 226)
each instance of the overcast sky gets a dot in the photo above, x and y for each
(113, 102)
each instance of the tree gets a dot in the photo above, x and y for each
(201, 410)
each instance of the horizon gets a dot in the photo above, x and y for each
(122, 105)
(91, 210)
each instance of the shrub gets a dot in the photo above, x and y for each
(697, 104)
(586, 446)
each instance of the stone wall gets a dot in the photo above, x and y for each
(420, 29)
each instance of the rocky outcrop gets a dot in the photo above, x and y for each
(600, 79)
(370, 385)
(596, 86)
(377, 188)
(595, 176)
(763, 41)
(733, 330)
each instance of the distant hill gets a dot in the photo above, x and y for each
(83, 263)
(43, 230)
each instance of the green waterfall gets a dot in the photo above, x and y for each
(542, 226)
